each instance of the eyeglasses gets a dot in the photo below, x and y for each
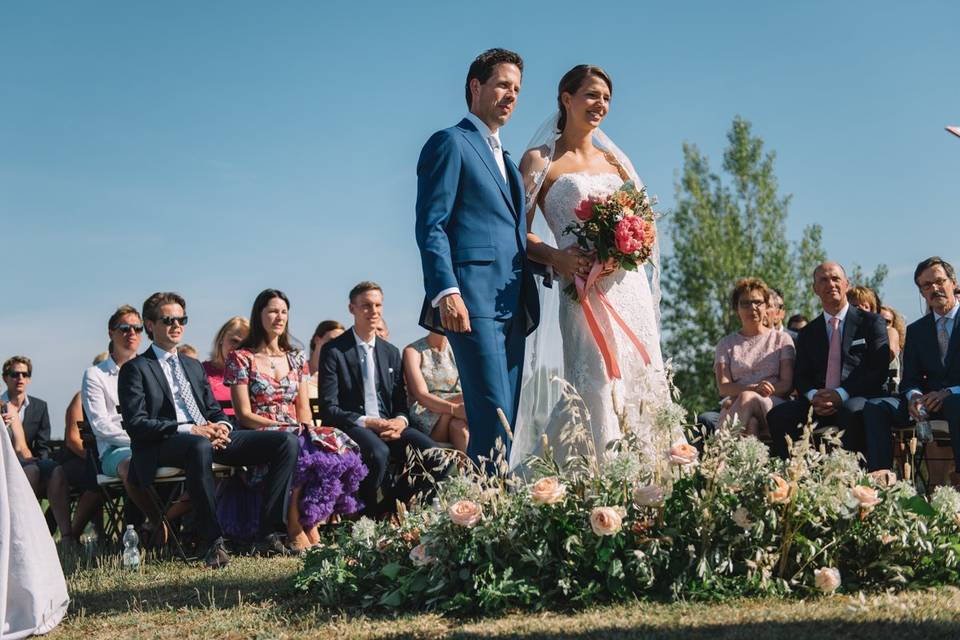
(941, 283)
(169, 320)
(16, 374)
(747, 304)
(126, 328)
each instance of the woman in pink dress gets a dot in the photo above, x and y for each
(228, 338)
(754, 366)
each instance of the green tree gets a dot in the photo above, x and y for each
(721, 232)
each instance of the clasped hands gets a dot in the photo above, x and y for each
(387, 429)
(574, 261)
(826, 402)
(932, 402)
(218, 434)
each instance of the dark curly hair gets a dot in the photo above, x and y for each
(482, 67)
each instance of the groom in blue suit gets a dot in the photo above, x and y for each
(471, 230)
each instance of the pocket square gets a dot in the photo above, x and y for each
(389, 369)
(858, 342)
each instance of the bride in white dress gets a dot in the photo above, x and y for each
(568, 161)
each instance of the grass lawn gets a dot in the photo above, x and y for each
(253, 598)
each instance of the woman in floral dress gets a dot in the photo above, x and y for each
(266, 376)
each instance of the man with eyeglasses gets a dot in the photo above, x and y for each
(776, 312)
(173, 419)
(930, 385)
(842, 360)
(29, 415)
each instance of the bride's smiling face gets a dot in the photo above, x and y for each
(589, 105)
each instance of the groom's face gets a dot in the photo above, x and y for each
(493, 100)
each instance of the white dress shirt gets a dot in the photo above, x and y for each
(368, 351)
(183, 415)
(5, 397)
(951, 317)
(98, 392)
(842, 316)
(493, 141)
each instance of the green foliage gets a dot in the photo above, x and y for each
(722, 231)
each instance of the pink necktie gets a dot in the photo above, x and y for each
(834, 360)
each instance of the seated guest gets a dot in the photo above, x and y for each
(895, 321)
(266, 379)
(842, 359)
(324, 333)
(931, 369)
(362, 392)
(188, 351)
(233, 332)
(866, 299)
(754, 367)
(78, 465)
(776, 312)
(433, 385)
(796, 322)
(44, 474)
(173, 419)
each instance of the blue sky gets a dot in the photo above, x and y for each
(219, 148)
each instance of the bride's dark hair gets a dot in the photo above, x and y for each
(572, 81)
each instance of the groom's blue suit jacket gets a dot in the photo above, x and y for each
(471, 229)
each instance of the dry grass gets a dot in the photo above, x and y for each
(253, 599)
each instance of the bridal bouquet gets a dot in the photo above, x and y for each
(619, 227)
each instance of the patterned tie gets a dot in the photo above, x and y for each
(371, 405)
(834, 358)
(185, 393)
(943, 338)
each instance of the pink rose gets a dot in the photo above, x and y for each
(683, 454)
(420, 556)
(605, 521)
(584, 210)
(547, 491)
(827, 579)
(779, 491)
(465, 513)
(866, 497)
(629, 234)
(883, 478)
(648, 496)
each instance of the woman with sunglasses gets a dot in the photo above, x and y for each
(754, 367)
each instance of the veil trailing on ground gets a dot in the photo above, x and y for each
(546, 398)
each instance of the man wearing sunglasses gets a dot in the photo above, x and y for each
(173, 420)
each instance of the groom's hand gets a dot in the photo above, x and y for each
(453, 314)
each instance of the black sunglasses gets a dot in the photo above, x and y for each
(16, 374)
(169, 320)
(126, 328)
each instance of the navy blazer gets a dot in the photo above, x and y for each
(865, 364)
(922, 368)
(149, 415)
(341, 381)
(36, 427)
(471, 229)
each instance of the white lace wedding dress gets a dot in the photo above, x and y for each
(632, 402)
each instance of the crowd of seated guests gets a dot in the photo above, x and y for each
(854, 367)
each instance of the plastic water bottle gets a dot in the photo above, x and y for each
(131, 550)
(924, 429)
(88, 541)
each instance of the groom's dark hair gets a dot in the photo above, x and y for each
(482, 66)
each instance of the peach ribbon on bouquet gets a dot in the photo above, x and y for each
(606, 309)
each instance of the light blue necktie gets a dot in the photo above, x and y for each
(185, 392)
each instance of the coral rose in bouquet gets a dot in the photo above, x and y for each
(619, 227)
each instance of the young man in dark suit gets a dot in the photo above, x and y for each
(173, 420)
(362, 393)
(930, 383)
(842, 360)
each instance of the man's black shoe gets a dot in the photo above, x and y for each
(216, 556)
(272, 545)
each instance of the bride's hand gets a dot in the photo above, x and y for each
(610, 266)
(571, 262)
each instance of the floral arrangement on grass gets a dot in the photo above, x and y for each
(724, 521)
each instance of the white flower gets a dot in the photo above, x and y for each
(827, 579)
(364, 531)
(648, 496)
(945, 500)
(741, 517)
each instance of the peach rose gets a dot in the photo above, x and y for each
(420, 556)
(648, 496)
(883, 478)
(606, 521)
(827, 579)
(548, 491)
(866, 497)
(780, 492)
(683, 454)
(465, 513)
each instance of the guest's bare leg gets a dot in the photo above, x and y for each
(459, 434)
(58, 495)
(297, 536)
(441, 430)
(313, 534)
(86, 508)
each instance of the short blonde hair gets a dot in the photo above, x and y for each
(864, 295)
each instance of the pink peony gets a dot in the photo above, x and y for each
(585, 209)
(630, 233)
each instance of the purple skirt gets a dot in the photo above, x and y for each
(329, 483)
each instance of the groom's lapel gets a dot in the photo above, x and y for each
(486, 154)
(516, 182)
